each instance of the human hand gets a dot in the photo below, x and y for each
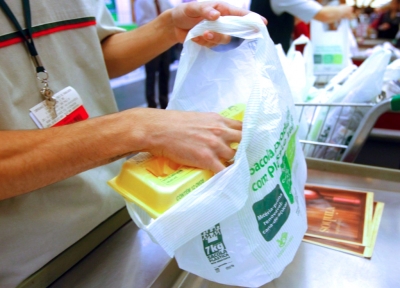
(347, 11)
(186, 16)
(384, 26)
(190, 138)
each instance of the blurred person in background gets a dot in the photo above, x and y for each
(146, 11)
(387, 23)
(281, 16)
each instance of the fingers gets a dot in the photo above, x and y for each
(217, 166)
(215, 160)
(212, 10)
(201, 140)
(347, 11)
(226, 150)
(235, 132)
(211, 39)
(187, 15)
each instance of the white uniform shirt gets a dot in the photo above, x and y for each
(303, 9)
(146, 11)
(36, 227)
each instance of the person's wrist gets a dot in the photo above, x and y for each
(133, 129)
(166, 27)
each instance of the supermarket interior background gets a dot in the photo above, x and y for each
(129, 89)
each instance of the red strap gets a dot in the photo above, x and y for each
(157, 7)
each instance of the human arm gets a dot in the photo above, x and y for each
(124, 52)
(32, 159)
(330, 14)
(375, 24)
(307, 10)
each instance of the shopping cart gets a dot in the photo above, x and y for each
(338, 131)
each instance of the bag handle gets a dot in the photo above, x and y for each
(318, 26)
(249, 26)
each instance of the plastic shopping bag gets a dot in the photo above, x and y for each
(363, 86)
(298, 68)
(391, 83)
(331, 48)
(244, 225)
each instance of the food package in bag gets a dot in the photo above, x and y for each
(244, 225)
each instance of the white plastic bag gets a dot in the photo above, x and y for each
(331, 48)
(391, 84)
(298, 68)
(363, 86)
(244, 225)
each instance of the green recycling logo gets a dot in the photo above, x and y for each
(282, 240)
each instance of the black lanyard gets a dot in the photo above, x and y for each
(26, 36)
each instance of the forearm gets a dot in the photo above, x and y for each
(124, 52)
(33, 159)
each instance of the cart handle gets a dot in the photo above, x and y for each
(395, 103)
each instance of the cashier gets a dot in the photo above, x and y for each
(53, 180)
(281, 16)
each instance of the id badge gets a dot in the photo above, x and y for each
(69, 109)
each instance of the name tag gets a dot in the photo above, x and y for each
(69, 109)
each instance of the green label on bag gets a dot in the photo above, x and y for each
(291, 150)
(282, 241)
(286, 178)
(330, 55)
(214, 246)
(327, 59)
(271, 213)
(281, 157)
(337, 58)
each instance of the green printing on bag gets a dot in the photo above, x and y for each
(286, 178)
(214, 246)
(337, 59)
(317, 59)
(271, 213)
(286, 166)
(267, 167)
(327, 59)
(291, 149)
(282, 241)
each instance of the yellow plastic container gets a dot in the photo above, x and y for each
(157, 183)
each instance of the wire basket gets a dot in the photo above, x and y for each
(326, 130)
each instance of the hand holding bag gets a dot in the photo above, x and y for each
(245, 224)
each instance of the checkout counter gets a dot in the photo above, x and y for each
(118, 254)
